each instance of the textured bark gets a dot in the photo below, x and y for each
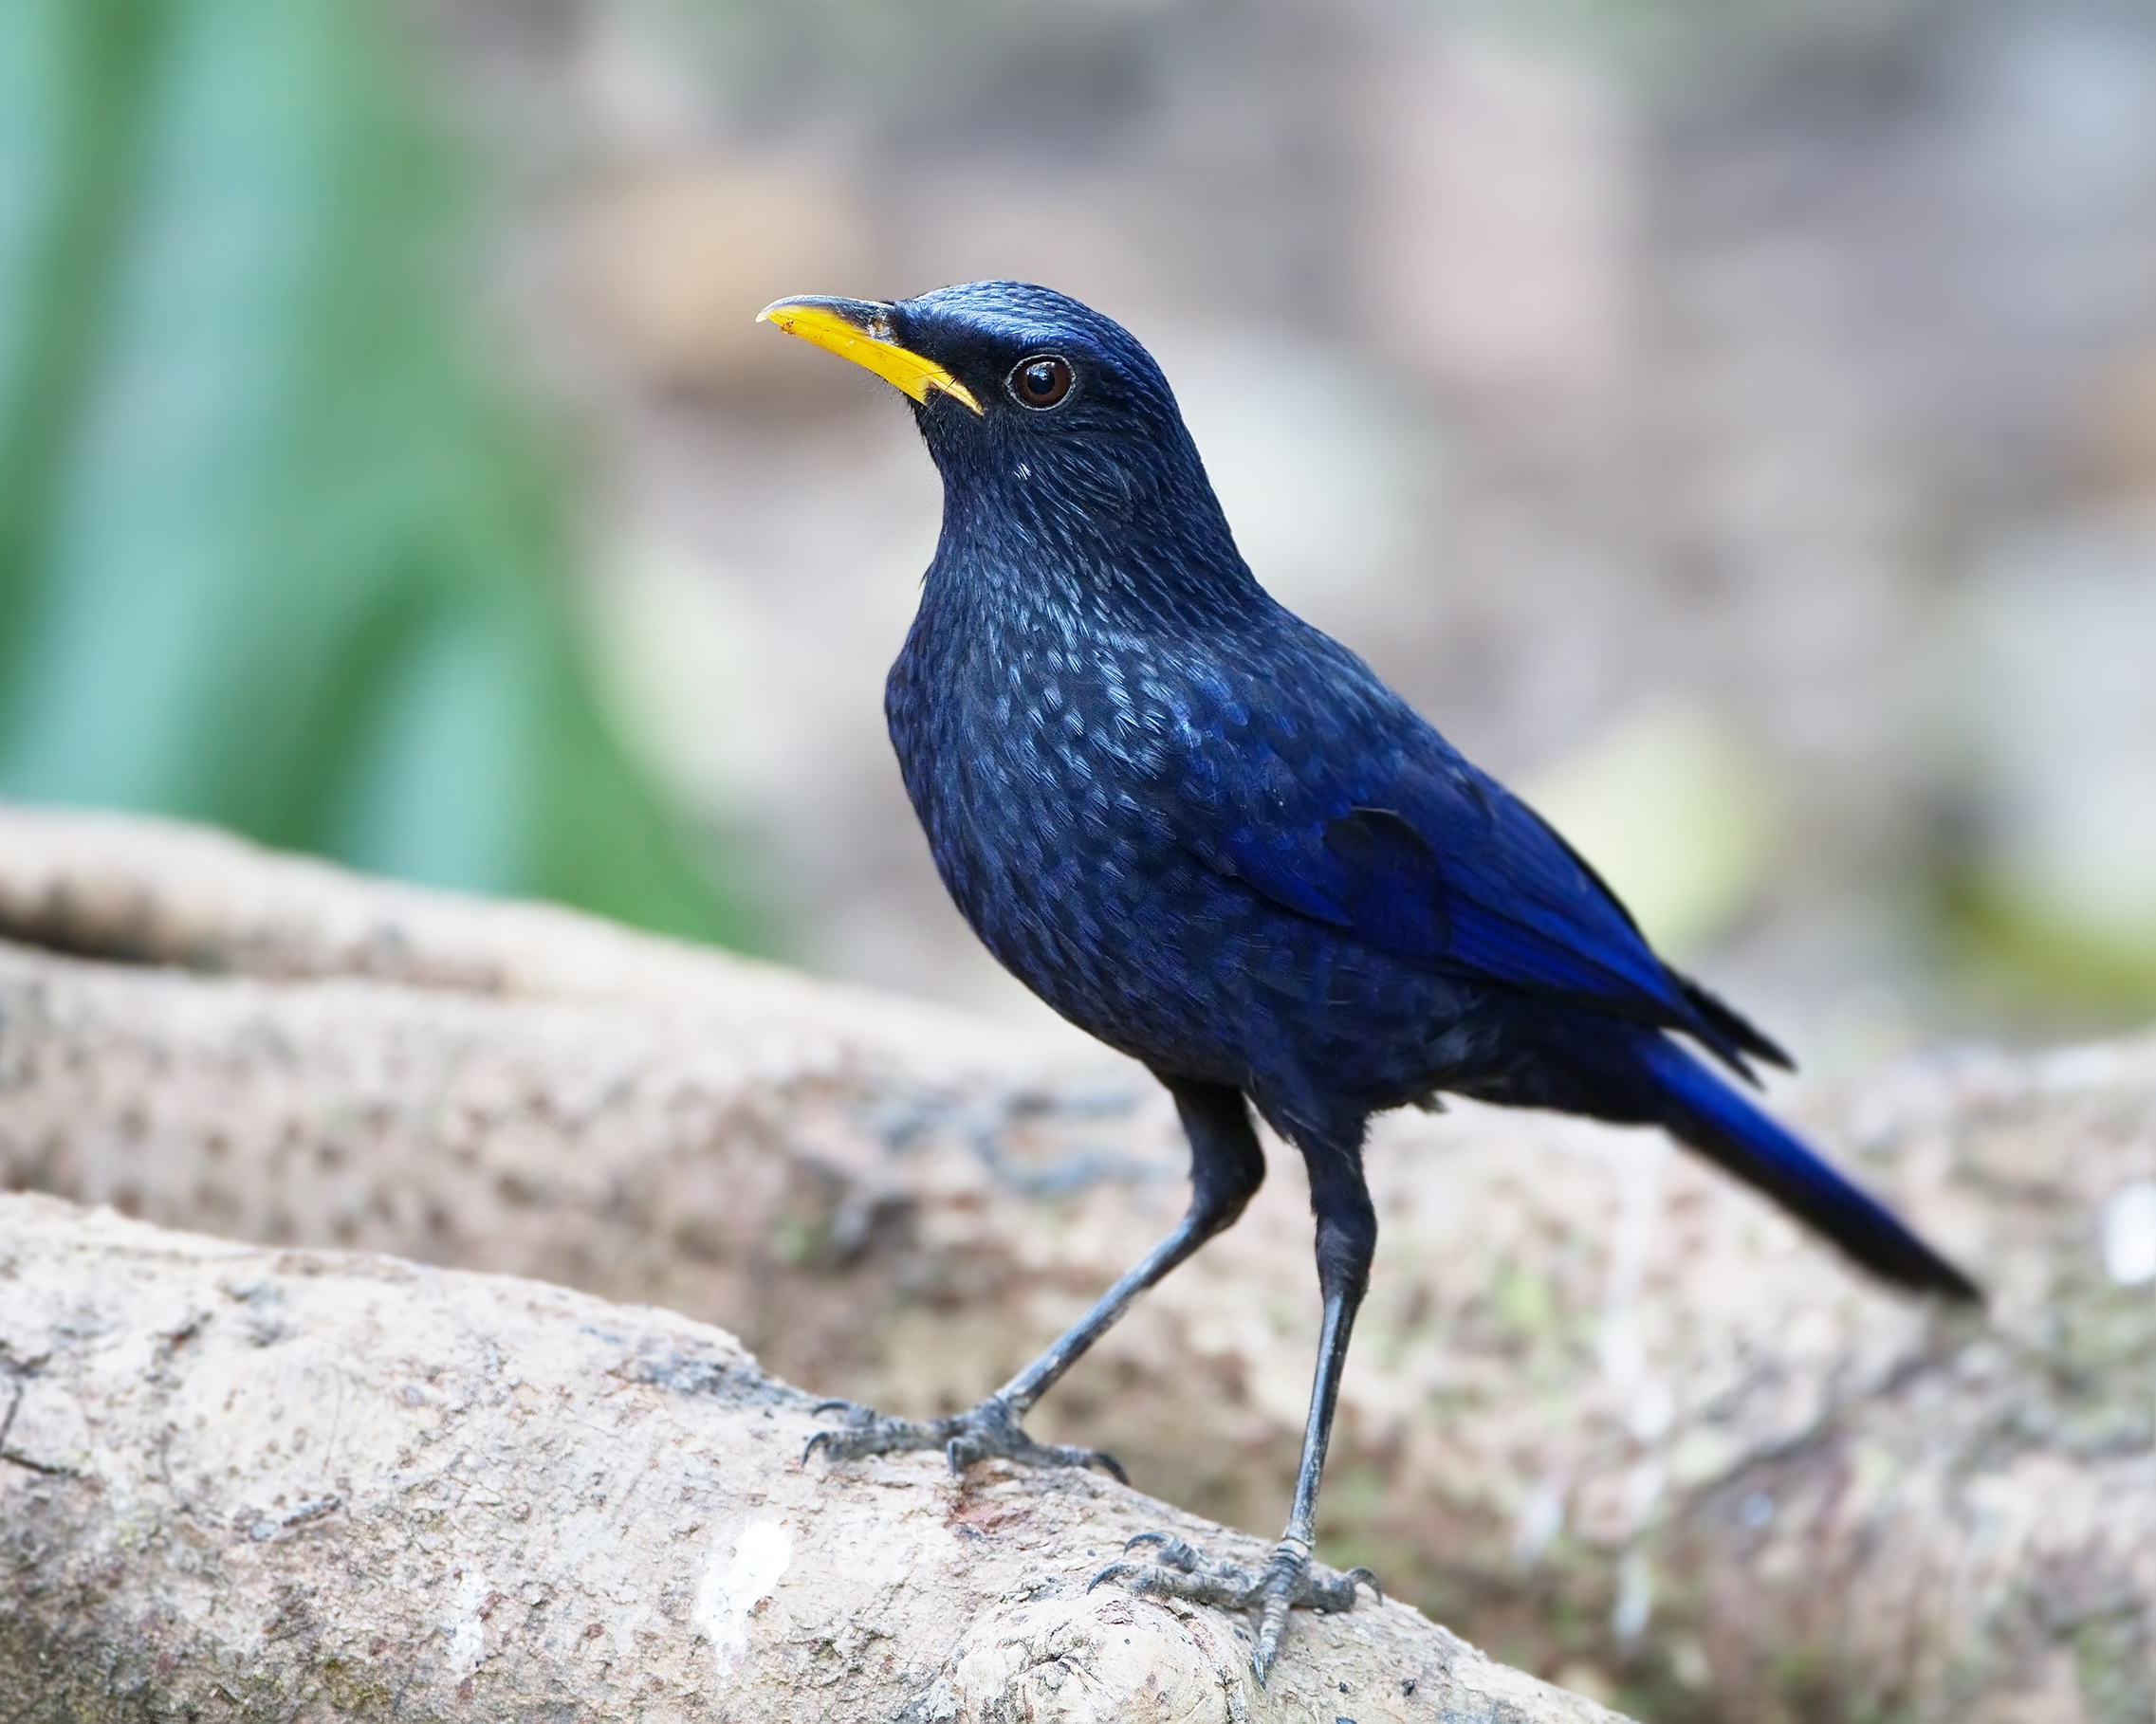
(1606, 1414)
(238, 1482)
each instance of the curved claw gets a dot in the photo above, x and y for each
(1368, 1579)
(857, 1416)
(1116, 1571)
(1174, 1552)
(1057, 1455)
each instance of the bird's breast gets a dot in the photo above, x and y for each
(1033, 765)
(1036, 763)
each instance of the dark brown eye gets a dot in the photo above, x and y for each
(1042, 381)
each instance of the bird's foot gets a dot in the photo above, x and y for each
(1178, 1571)
(988, 1429)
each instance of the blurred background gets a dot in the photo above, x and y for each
(1733, 424)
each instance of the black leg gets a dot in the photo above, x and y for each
(1347, 1238)
(1226, 1168)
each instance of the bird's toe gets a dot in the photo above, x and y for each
(1289, 1581)
(1226, 1586)
(986, 1431)
(1346, 1588)
(871, 1435)
(1028, 1453)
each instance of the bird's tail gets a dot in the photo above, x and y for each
(1716, 1121)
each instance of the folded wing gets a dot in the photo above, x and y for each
(1405, 845)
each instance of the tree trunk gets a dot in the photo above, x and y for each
(1606, 1414)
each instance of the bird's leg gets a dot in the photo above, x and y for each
(1347, 1237)
(1227, 1168)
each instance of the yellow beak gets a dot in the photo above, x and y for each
(859, 330)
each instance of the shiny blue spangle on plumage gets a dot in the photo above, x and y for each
(1208, 834)
(1097, 694)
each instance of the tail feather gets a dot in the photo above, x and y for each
(1732, 1029)
(1719, 1123)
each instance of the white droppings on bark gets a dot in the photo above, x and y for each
(466, 1624)
(732, 1589)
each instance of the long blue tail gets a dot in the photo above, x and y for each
(1716, 1120)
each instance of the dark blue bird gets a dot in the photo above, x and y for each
(1208, 834)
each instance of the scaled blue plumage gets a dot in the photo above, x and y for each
(1208, 834)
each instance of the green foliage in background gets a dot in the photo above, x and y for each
(274, 552)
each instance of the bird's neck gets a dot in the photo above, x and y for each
(1021, 547)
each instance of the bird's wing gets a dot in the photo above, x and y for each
(1391, 836)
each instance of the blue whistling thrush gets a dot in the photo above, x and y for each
(1206, 833)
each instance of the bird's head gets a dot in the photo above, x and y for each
(1040, 412)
